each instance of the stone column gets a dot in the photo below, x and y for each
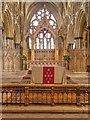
(84, 39)
(32, 49)
(88, 23)
(88, 34)
(88, 46)
(78, 42)
(25, 52)
(88, 37)
(56, 49)
(65, 45)
(4, 41)
(56, 54)
(32, 52)
(24, 45)
(32, 55)
(0, 39)
(7, 42)
(10, 42)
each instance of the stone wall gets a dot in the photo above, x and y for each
(11, 59)
(79, 60)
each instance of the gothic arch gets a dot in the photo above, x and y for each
(47, 26)
(80, 23)
(34, 7)
(8, 25)
(80, 28)
(44, 22)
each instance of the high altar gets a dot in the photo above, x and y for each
(48, 74)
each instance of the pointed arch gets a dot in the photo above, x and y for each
(80, 23)
(42, 20)
(34, 7)
(45, 24)
(8, 23)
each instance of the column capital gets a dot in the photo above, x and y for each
(10, 38)
(88, 27)
(85, 29)
(78, 38)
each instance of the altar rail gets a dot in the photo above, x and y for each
(44, 94)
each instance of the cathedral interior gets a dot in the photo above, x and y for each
(45, 31)
(44, 34)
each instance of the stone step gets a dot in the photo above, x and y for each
(79, 73)
(5, 73)
(44, 116)
(45, 109)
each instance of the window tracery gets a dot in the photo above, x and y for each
(37, 17)
(44, 39)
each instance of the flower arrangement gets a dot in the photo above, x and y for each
(23, 57)
(66, 59)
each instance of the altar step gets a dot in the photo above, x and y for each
(57, 109)
(12, 77)
(79, 77)
(45, 116)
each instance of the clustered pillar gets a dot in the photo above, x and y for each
(88, 37)
(78, 41)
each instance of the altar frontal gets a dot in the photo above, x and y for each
(48, 74)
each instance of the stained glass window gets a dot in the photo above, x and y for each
(44, 39)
